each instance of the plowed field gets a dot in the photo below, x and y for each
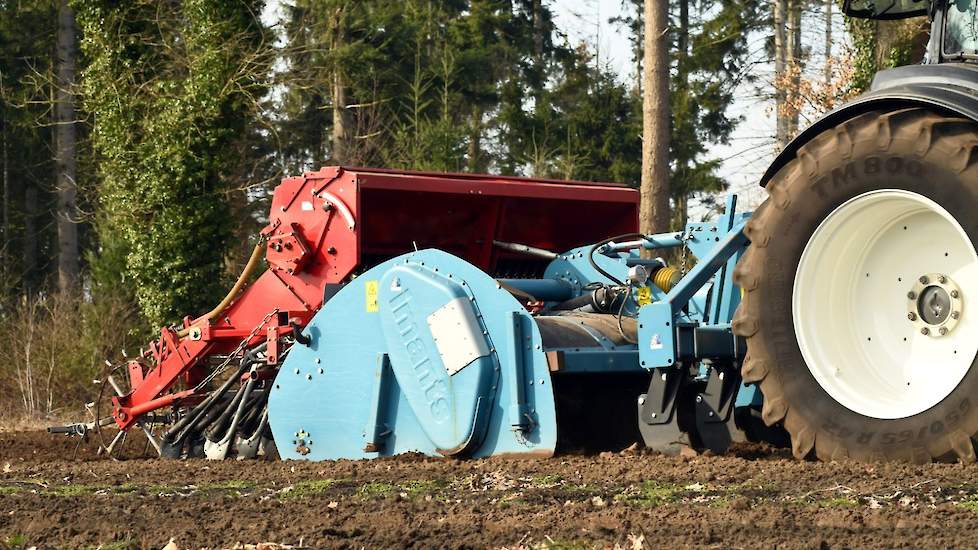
(57, 494)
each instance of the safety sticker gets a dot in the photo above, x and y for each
(371, 291)
(644, 296)
(656, 342)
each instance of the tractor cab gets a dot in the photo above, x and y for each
(954, 23)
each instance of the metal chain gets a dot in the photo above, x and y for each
(685, 239)
(236, 351)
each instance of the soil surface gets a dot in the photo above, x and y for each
(55, 493)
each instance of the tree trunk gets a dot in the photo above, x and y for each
(682, 88)
(5, 222)
(654, 210)
(682, 41)
(30, 236)
(794, 64)
(341, 138)
(780, 64)
(828, 43)
(65, 145)
(639, 40)
(538, 32)
(475, 142)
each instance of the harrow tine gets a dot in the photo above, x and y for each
(115, 441)
(142, 425)
(151, 438)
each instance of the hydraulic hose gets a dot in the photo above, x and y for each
(526, 249)
(599, 244)
(253, 262)
(188, 422)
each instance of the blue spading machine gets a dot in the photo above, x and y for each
(610, 346)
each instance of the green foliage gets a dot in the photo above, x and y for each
(585, 125)
(863, 33)
(433, 85)
(308, 487)
(14, 542)
(879, 45)
(171, 87)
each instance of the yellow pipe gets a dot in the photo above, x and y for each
(253, 261)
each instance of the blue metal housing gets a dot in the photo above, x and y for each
(427, 353)
(374, 381)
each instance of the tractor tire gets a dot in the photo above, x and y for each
(849, 333)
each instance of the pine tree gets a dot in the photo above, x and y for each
(654, 211)
(709, 59)
(66, 148)
(27, 239)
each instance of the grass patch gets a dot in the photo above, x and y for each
(9, 490)
(14, 542)
(650, 493)
(72, 490)
(375, 489)
(969, 503)
(230, 485)
(137, 489)
(549, 480)
(719, 501)
(837, 502)
(514, 501)
(309, 487)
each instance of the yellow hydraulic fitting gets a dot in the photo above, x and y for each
(666, 278)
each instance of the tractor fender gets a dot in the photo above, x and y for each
(945, 88)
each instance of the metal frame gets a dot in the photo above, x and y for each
(323, 226)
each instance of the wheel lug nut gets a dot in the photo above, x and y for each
(912, 316)
(955, 314)
(942, 331)
(954, 294)
(925, 331)
(911, 295)
(924, 280)
(942, 279)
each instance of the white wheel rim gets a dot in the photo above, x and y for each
(850, 304)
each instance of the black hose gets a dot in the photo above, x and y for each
(300, 338)
(222, 422)
(257, 402)
(186, 424)
(211, 415)
(599, 244)
(621, 329)
(601, 299)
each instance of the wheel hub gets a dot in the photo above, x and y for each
(882, 337)
(934, 305)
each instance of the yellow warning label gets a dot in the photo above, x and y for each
(644, 295)
(371, 288)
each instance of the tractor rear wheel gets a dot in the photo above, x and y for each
(860, 303)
